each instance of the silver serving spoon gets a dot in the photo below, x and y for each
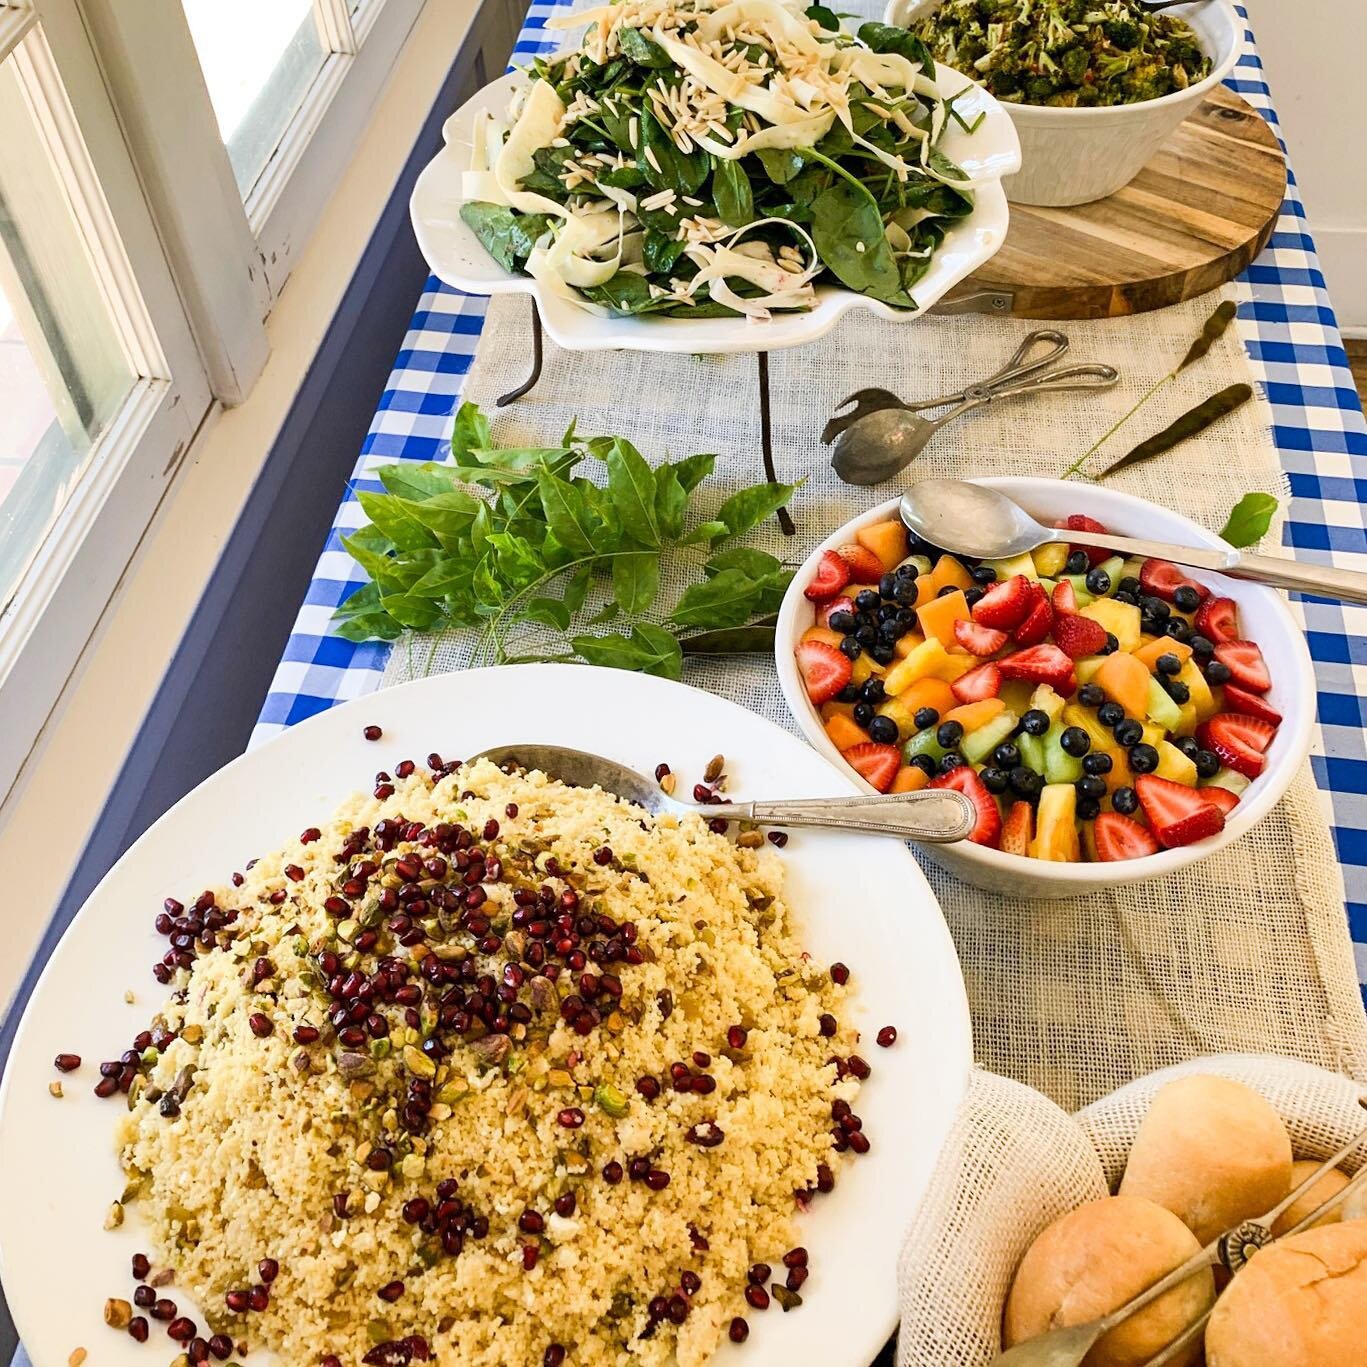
(973, 519)
(930, 817)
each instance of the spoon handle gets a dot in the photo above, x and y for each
(929, 817)
(1348, 586)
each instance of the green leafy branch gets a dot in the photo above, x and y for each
(501, 539)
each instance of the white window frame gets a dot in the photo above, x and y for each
(54, 610)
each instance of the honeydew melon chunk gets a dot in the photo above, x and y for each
(1130, 568)
(1120, 619)
(1031, 751)
(1012, 565)
(1085, 669)
(1056, 836)
(923, 743)
(1115, 567)
(977, 745)
(1050, 559)
(1059, 765)
(1048, 702)
(1227, 779)
(1161, 709)
(1174, 765)
(1081, 593)
(921, 562)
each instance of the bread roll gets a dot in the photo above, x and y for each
(1329, 1185)
(1096, 1258)
(1299, 1303)
(1211, 1151)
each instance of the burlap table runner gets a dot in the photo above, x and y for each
(1245, 951)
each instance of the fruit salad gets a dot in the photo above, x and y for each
(1092, 707)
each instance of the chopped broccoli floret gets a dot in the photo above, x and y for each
(1123, 33)
(1075, 62)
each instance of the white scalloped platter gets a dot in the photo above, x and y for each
(455, 255)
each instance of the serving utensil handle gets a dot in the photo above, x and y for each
(1347, 586)
(936, 818)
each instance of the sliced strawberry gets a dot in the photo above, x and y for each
(1004, 606)
(1078, 636)
(1080, 522)
(1176, 814)
(865, 567)
(825, 671)
(876, 764)
(965, 780)
(1217, 619)
(1220, 797)
(824, 611)
(1247, 668)
(1019, 828)
(1038, 622)
(1117, 837)
(1162, 579)
(978, 640)
(1250, 704)
(1237, 741)
(1065, 598)
(1041, 664)
(832, 574)
(983, 682)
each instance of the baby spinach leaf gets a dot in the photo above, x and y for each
(827, 18)
(848, 231)
(627, 293)
(495, 226)
(731, 190)
(902, 42)
(623, 178)
(780, 164)
(660, 252)
(643, 51)
(663, 165)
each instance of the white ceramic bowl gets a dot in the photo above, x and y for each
(1074, 156)
(1264, 616)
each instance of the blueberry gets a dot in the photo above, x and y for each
(1150, 626)
(1006, 755)
(1187, 598)
(890, 632)
(1075, 741)
(1125, 801)
(1155, 607)
(883, 654)
(1025, 782)
(1098, 762)
(1143, 758)
(994, 779)
(1169, 664)
(1178, 629)
(1110, 714)
(887, 585)
(1124, 596)
(886, 612)
(1129, 732)
(1217, 672)
(1090, 695)
(1091, 786)
(1188, 745)
(866, 635)
(1111, 646)
(1076, 563)
(925, 717)
(1207, 763)
(863, 713)
(883, 730)
(1035, 722)
(949, 734)
(849, 646)
(906, 572)
(867, 600)
(924, 763)
(953, 760)
(1098, 582)
(905, 592)
(973, 596)
(1088, 809)
(842, 621)
(850, 693)
(1178, 691)
(947, 589)
(1129, 584)
(984, 574)
(1201, 646)
(906, 619)
(872, 691)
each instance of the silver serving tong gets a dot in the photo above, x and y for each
(881, 434)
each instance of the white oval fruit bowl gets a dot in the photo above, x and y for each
(457, 258)
(1264, 618)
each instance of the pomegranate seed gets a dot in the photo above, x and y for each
(141, 1266)
(530, 1253)
(887, 1036)
(391, 1291)
(858, 1067)
(294, 873)
(107, 1086)
(638, 1169)
(825, 1179)
(795, 1257)
(221, 1346)
(331, 1360)
(258, 1298)
(840, 975)
(657, 1179)
(736, 1037)
(758, 1274)
(198, 1350)
(181, 1329)
(139, 1328)
(661, 770)
(305, 1034)
(261, 1024)
(404, 768)
(690, 1281)
(237, 1301)
(778, 839)
(648, 1087)
(384, 790)
(531, 1222)
(564, 1204)
(859, 1141)
(553, 1356)
(571, 1118)
(612, 1173)
(796, 1277)
(144, 1297)
(372, 733)
(757, 1297)
(827, 1024)
(67, 1063)
(739, 1330)
(268, 1270)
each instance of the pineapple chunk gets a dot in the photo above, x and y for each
(1050, 559)
(1012, 565)
(928, 660)
(1056, 834)
(1085, 669)
(1174, 765)
(1202, 699)
(1047, 701)
(865, 669)
(1120, 619)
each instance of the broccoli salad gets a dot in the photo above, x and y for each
(1069, 53)
(705, 158)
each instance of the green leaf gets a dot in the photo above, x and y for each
(847, 228)
(725, 600)
(660, 252)
(887, 38)
(361, 618)
(636, 580)
(567, 513)
(663, 165)
(631, 486)
(828, 19)
(706, 531)
(392, 517)
(626, 294)
(417, 479)
(447, 516)
(731, 190)
(577, 589)
(671, 502)
(692, 470)
(649, 649)
(493, 224)
(607, 613)
(780, 164)
(1248, 522)
(550, 612)
(751, 506)
(495, 469)
(644, 51)
(471, 431)
(418, 614)
(749, 561)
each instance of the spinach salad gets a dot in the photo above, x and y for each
(699, 159)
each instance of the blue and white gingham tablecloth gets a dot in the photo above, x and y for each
(1296, 351)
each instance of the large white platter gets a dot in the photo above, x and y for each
(860, 899)
(456, 257)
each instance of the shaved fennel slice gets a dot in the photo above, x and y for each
(536, 127)
(804, 132)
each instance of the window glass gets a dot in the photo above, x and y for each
(63, 372)
(259, 59)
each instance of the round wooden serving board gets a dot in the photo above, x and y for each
(1193, 218)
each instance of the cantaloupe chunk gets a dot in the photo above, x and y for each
(1120, 619)
(831, 638)
(1174, 765)
(836, 709)
(1201, 698)
(910, 779)
(887, 540)
(938, 616)
(906, 644)
(1126, 681)
(927, 692)
(845, 732)
(972, 715)
(1148, 653)
(949, 572)
(925, 591)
